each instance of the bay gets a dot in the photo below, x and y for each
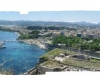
(18, 56)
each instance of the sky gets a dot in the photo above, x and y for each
(64, 16)
(52, 10)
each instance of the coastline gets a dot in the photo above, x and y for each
(25, 41)
(17, 33)
(31, 42)
(34, 41)
(37, 42)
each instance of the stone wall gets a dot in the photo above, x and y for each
(42, 70)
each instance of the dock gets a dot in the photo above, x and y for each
(10, 41)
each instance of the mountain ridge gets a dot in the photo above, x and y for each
(28, 22)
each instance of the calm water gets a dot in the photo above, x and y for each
(17, 56)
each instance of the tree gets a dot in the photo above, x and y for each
(60, 39)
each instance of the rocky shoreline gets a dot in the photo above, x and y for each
(37, 42)
(34, 41)
(17, 33)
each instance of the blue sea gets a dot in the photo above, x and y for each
(18, 56)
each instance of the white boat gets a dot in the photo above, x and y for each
(2, 45)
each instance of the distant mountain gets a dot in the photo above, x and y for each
(84, 23)
(44, 23)
(34, 23)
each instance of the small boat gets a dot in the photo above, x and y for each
(14, 48)
(4, 47)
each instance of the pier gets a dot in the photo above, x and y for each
(9, 41)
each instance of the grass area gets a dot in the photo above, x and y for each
(95, 60)
(49, 56)
(51, 64)
(55, 52)
(93, 63)
(82, 63)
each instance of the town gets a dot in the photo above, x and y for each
(70, 48)
(43, 35)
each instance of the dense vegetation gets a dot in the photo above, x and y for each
(31, 35)
(55, 52)
(76, 42)
(48, 28)
(69, 41)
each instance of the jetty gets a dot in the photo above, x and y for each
(3, 42)
(10, 41)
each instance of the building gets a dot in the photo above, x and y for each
(79, 35)
(91, 36)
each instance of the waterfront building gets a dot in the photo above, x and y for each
(79, 35)
(91, 36)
